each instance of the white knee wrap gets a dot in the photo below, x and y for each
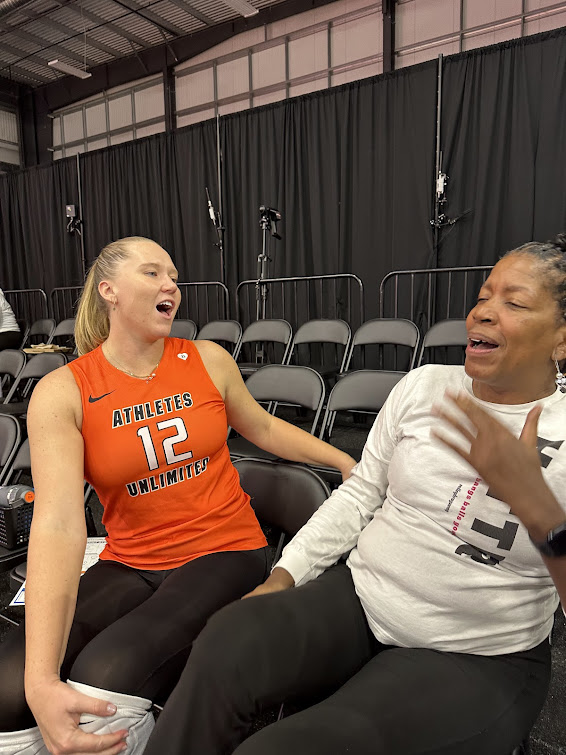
(133, 713)
(26, 742)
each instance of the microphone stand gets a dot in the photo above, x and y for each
(216, 218)
(268, 218)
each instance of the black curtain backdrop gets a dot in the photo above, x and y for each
(156, 188)
(504, 144)
(35, 249)
(351, 169)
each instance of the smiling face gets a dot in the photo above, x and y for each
(144, 292)
(515, 331)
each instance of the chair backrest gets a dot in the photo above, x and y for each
(283, 495)
(360, 391)
(65, 328)
(10, 437)
(289, 384)
(278, 331)
(183, 329)
(40, 331)
(336, 332)
(226, 331)
(12, 362)
(38, 366)
(268, 332)
(445, 334)
(390, 331)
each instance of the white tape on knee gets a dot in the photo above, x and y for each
(25, 742)
(132, 713)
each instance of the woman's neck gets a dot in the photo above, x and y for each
(496, 395)
(134, 357)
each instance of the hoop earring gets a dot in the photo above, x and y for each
(560, 378)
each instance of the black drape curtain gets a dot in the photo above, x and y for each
(156, 188)
(351, 169)
(35, 249)
(504, 147)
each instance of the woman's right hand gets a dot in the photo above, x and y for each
(278, 580)
(57, 708)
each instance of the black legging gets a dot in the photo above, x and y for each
(10, 339)
(133, 630)
(314, 641)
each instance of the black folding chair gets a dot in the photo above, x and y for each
(277, 384)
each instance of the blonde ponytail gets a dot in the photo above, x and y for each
(92, 324)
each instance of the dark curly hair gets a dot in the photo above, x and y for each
(552, 258)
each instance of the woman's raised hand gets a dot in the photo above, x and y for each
(57, 708)
(509, 465)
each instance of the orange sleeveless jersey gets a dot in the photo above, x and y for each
(156, 454)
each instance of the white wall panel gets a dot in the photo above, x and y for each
(357, 73)
(502, 34)
(149, 103)
(119, 111)
(153, 128)
(194, 89)
(96, 119)
(266, 99)
(412, 57)
(233, 107)
(8, 126)
(309, 86)
(73, 126)
(238, 42)
(190, 118)
(125, 136)
(57, 130)
(421, 20)
(97, 144)
(77, 149)
(359, 38)
(308, 54)
(233, 77)
(547, 23)
(268, 66)
(9, 154)
(538, 4)
(477, 13)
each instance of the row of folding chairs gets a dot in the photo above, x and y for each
(358, 393)
(264, 336)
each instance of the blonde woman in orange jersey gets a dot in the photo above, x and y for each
(143, 417)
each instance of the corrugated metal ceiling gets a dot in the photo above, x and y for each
(37, 31)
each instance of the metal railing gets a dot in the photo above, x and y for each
(427, 296)
(303, 298)
(201, 301)
(63, 302)
(204, 301)
(29, 304)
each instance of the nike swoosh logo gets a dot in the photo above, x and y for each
(92, 399)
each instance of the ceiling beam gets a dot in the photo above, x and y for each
(193, 12)
(68, 31)
(8, 68)
(99, 21)
(55, 46)
(151, 17)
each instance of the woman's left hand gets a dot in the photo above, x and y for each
(509, 465)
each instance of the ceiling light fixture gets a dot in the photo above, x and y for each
(242, 7)
(71, 70)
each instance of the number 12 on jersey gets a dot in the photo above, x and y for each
(168, 444)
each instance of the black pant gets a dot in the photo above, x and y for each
(133, 630)
(314, 641)
(10, 339)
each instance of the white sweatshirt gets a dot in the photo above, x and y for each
(8, 321)
(436, 561)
